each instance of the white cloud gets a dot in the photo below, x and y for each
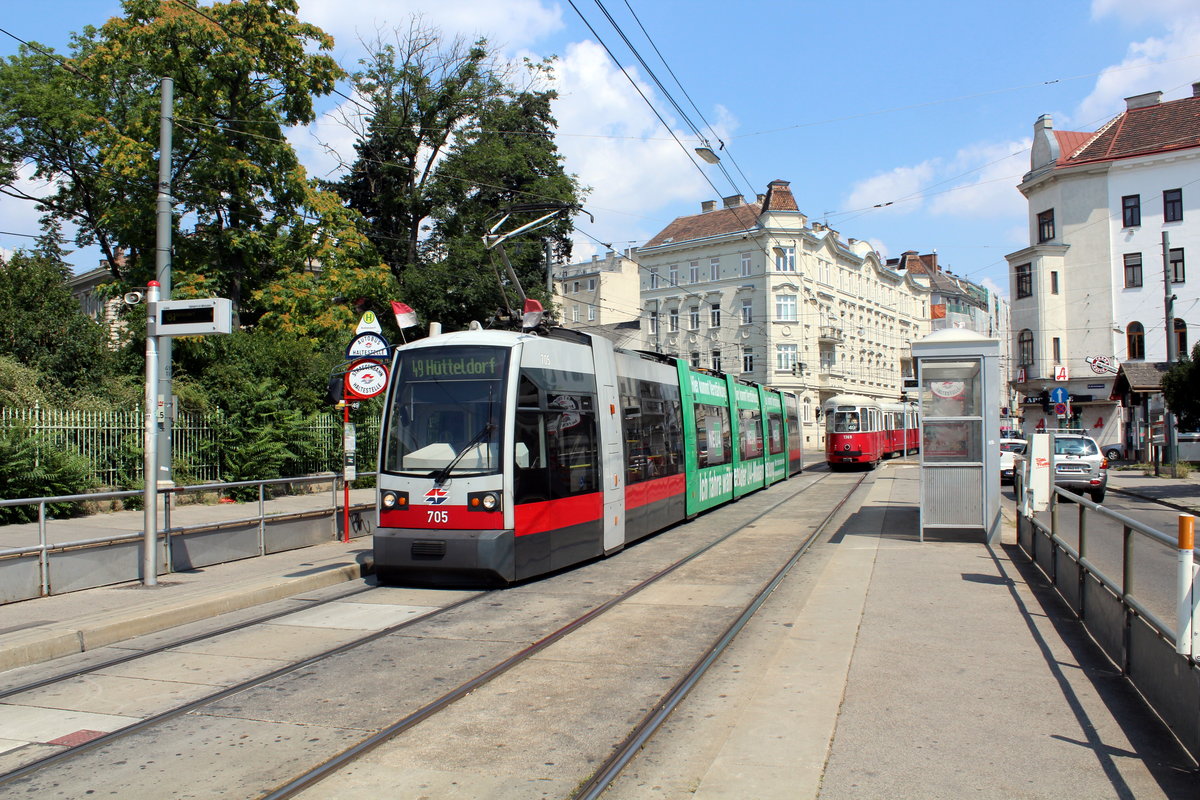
(896, 191)
(513, 23)
(1169, 62)
(1144, 10)
(990, 192)
(616, 146)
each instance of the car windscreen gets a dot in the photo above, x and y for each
(1012, 447)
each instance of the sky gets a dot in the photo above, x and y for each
(906, 125)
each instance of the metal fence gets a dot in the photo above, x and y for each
(111, 441)
(1157, 655)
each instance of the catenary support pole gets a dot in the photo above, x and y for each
(162, 273)
(1170, 441)
(150, 446)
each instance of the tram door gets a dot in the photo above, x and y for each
(611, 444)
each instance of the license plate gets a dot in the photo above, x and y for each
(1072, 468)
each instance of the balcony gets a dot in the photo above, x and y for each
(830, 334)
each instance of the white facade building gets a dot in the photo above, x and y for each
(1088, 293)
(753, 289)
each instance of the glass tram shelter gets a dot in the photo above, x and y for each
(958, 377)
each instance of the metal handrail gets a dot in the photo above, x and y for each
(43, 548)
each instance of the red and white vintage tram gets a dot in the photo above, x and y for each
(861, 430)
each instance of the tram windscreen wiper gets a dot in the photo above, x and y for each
(440, 475)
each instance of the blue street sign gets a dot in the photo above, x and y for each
(1059, 395)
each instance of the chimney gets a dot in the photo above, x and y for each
(595, 257)
(707, 206)
(1196, 89)
(733, 201)
(1143, 100)
(762, 198)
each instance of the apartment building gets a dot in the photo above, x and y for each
(601, 295)
(1113, 214)
(756, 290)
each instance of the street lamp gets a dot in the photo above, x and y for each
(708, 155)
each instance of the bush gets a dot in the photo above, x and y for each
(31, 466)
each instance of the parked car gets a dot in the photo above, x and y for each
(1113, 452)
(1009, 448)
(1079, 466)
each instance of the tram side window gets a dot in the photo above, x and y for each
(652, 429)
(571, 450)
(750, 444)
(713, 435)
(775, 433)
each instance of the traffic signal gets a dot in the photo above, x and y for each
(1044, 399)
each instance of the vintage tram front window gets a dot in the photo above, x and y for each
(447, 411)
(843, 421)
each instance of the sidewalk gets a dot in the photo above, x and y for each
(1179, 493)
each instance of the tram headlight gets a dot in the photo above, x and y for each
(483, 501)
(390, 501)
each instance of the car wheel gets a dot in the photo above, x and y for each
(1112, 454)
(1097, 496)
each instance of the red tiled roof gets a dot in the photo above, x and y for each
(712, 223)
(1157, 128)
(779, 197)
(1069, 142)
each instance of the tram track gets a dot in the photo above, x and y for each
(426, 709)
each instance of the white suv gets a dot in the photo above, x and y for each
(1009, 448)
(1079, 465)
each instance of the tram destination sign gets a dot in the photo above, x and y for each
(423, 367)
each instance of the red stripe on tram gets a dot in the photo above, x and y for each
(550, 515)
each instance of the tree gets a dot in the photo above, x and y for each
(449, 140)
(45, 329)
(1181, 389)
(242, 71)
(510, 154)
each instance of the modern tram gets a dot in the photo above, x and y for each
(861, 430)
(506, 455)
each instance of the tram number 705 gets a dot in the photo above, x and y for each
(441, 517)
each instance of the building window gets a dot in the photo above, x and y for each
(575, 313)
(747, 360)
(674, 274)
(716, 360)
(654, 277)
(785, 357)
(714, 316)
(591, 313)
(785, 307)
(694, 318)
(1180, 338)
(1131, 211)
(591, 284)
(1045, 226)
(745, 265)
(807, 409)
(694, 272)
(673, 320)
(1175, 261)
(1025, 348)
(1135, 341)
(576, 285)
(1053, 282)
(1173, 205)
(654, 323)
(1056, 345)
(785, 259)
(747, 312)
(714, 269)
(695, 359)
(1133, 270)
(1024, 280)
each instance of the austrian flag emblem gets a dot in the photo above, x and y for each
(436, 496)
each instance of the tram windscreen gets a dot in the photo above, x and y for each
(843, 422)
(447, 409)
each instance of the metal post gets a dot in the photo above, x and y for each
(162, 272)
(150, 468)
(1185, 605)
(1170, 443)
(345, 481)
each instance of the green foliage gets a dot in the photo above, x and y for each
(31, 466)
(1181, 388)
